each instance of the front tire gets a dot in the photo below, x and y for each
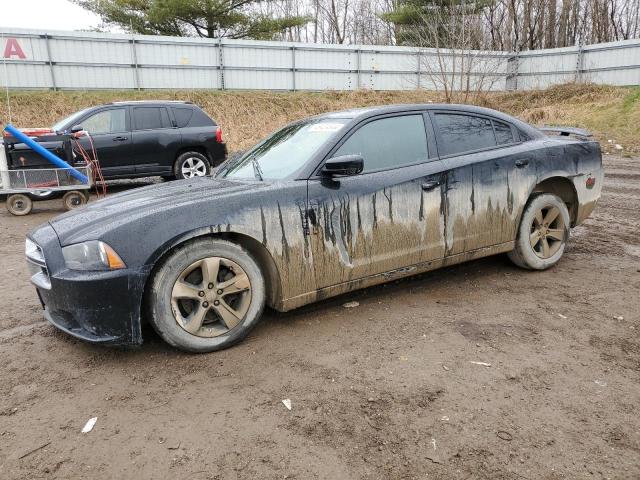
(543, 233)
(190, 165)
(206, 296)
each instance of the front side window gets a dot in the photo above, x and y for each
(463, 133)
(388, 143)
(284, 152)
(107, 121)
(150, 118)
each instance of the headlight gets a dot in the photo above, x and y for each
(33, 251)
(93, 255)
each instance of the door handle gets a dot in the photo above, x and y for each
(428, 186)
(522, 162)
(120, 139)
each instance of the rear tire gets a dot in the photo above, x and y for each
(542, 234)
(206, 296)
(190, 165)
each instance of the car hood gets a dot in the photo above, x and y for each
(139, 204)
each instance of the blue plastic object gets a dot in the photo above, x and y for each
(58, 162)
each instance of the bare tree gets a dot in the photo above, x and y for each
(510, 25)
(534, 24)
(452, 61)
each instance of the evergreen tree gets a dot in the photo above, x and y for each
(203, 18)
(416, 20)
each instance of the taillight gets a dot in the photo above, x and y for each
(219, 135)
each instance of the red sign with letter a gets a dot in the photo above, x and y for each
(13, 49)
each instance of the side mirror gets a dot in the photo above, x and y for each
(76, 129)
(344, 165)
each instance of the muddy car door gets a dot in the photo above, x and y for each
(389, 216)
(490, 173)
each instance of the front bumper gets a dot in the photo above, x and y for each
(98, 307)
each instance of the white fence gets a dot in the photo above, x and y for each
(86, 60)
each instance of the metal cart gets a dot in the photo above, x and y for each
(25, 170)
(16, 183)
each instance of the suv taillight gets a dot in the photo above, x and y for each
(219, 135)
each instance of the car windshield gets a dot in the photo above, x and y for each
(284, 152)
(68, 120)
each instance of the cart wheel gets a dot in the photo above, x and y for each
(19, 204)
(73, 199)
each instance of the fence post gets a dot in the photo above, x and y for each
(293, 68)
(579, 61)
(50, 62)
(221, 63)
(134, 55)
(358, 59)
(513, 66)
(418, 69)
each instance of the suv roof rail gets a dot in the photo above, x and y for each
(125, 102)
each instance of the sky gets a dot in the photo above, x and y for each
(46, 15)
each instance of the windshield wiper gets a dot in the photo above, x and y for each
(257, 170)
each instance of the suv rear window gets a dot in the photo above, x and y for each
(183, 116)
(192, 117)
(149, 118)
(201, 119)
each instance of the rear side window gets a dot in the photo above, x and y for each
(504, 134)
(149, 118)
(388, 143)
(201, 119)
(183, 116)
(463, 133)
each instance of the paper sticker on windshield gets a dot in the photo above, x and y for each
(325, 127)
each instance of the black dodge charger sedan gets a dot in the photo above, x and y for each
(323, 206)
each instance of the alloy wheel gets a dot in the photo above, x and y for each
(193, 167)
(211, 297)
(548, 232)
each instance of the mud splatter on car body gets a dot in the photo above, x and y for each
(316, 236)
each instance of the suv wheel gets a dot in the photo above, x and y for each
(192, 164)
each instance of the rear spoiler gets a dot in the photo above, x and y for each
(566, 131)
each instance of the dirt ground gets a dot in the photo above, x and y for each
(388, 389)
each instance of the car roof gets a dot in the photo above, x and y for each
(357, 114)
(354, 113)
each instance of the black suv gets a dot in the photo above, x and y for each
(140, 139)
